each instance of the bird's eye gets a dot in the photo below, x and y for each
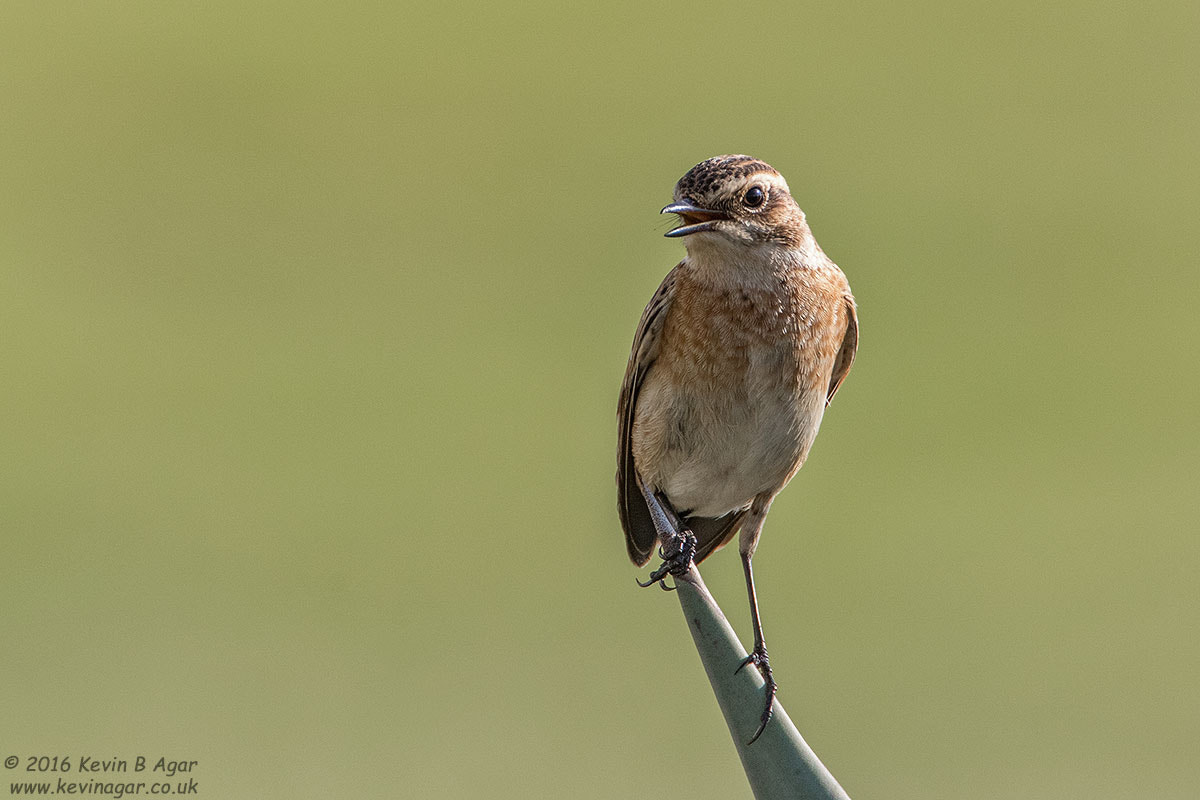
(754, 197)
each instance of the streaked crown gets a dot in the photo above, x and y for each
(720, 175)
(751, 197)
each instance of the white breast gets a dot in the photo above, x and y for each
(713, 457)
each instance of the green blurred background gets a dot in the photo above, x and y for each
(312, 321)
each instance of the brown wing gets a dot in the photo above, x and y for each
(845, 356)
(713, 534)
(640, 534)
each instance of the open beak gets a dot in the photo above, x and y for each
(693, 218)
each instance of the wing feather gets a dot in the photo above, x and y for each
(640, 535)
(845, 356)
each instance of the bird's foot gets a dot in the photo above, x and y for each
(678, 556)
(759, 659)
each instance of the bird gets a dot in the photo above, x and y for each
(735, 358)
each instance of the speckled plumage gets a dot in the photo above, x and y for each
(708, 178)
(736, 357)
(733, 363)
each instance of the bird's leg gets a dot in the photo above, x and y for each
(758, 656)
(678, 543)
(747, 544)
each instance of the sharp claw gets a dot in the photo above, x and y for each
(759, 659)
(767, 712)
(766, 717)
(676, 561)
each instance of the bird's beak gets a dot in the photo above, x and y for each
(694, 218)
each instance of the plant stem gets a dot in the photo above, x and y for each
(780, 764)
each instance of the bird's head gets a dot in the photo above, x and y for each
(737, 198)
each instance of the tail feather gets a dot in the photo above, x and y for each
(714, 533)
